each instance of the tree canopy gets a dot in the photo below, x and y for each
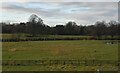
(35, 26)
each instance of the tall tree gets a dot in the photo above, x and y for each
(21, 28)
(71, 28)
(59, 29)
(99, 29)
(82, 30)
(34, 25)
(112, 28)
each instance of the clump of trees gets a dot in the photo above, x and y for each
(35, 26)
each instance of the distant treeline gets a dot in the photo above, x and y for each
(35, 26)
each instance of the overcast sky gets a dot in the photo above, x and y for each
(54, 13)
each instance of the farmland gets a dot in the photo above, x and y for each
(27, 37)
(60, 36)
(87, 50)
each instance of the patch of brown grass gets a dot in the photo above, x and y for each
(63, 50)
(12, 50)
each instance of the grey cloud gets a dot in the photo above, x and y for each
(94, 11)
(61, 0)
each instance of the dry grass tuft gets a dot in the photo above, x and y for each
(12, 50)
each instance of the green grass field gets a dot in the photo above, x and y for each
(7, 36)
(60, 50)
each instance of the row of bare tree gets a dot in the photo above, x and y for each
(36, 26)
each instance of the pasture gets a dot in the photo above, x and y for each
(28, 37)
(87, 50)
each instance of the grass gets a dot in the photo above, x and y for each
(28, 37)
(59, 50)
(59, 68)
(83, 49)
(50, 36)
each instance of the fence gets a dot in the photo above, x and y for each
(61, 62)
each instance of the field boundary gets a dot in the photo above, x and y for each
(60, 72)
(61, 62)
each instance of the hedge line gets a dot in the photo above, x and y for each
(61, 62)
(53, 38)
